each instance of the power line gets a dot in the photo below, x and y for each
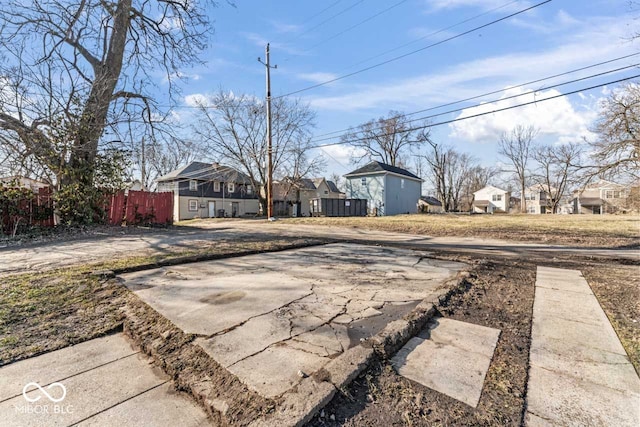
(320, 13)
(449, 103)
(482, 114)
(315, 27)
(316, 139)
(415, 51)
(431, 34)
(357, 25)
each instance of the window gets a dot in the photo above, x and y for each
(401, 183)
(216, 186)
(497, 197)
(231, 187)
(193, 185)
(612, 194)
(529, 196)
(249, 189)
(326, 191)
(364, 182)
(193, 205)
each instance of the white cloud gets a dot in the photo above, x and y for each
(260, 41)
(598, 40)
(341, 154)
(318, 77)
(556, 119)
(198, 100)
(438, 5)
(281, 27)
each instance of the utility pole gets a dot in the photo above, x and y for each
(267, 64)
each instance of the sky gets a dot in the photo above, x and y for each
(313, 42)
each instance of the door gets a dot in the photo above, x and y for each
(235, 206)
(212, 209)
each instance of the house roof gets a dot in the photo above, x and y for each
(431, 200)
(206, 172)
(491, 188)
(333, 187)
(540, 187)
(374, 168)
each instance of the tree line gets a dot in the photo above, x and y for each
(78, 109)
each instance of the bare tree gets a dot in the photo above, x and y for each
(73, 68)
(451, 172)
(617, 148)
(233, 128)
(516, 147)
(436, 158)
(387, 139)
(558, 167)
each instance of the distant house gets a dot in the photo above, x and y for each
(601, 197)
(206, 190)
(390, 190)
(490, 199)
(429, 204)
(539, 199)
(291, 197)
(24, 182)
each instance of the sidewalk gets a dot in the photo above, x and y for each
(102, 382)
(579, 373)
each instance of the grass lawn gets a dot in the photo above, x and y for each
(583, 230)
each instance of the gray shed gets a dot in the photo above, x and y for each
(389, 190)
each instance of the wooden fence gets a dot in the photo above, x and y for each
(133, 208)
(26, 209)
(140, 207)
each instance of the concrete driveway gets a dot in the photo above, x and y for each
(273, 319)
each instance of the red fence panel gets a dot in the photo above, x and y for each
(147, 207)
(115, 208)
(26, 209)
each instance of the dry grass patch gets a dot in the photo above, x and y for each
(41, 312)
(583, 230)
(618, 291)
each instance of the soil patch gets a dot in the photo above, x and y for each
(498, 295)
(220, 393)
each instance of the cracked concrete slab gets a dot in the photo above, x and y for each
(579, 373)
(266, 317)
(451, 357)
(100, 382)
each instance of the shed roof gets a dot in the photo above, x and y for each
(379, 167)
(431, 200)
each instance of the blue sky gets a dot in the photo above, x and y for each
(311, 42)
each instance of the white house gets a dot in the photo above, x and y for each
(490, 199)
(601, 197)
(539, 199)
